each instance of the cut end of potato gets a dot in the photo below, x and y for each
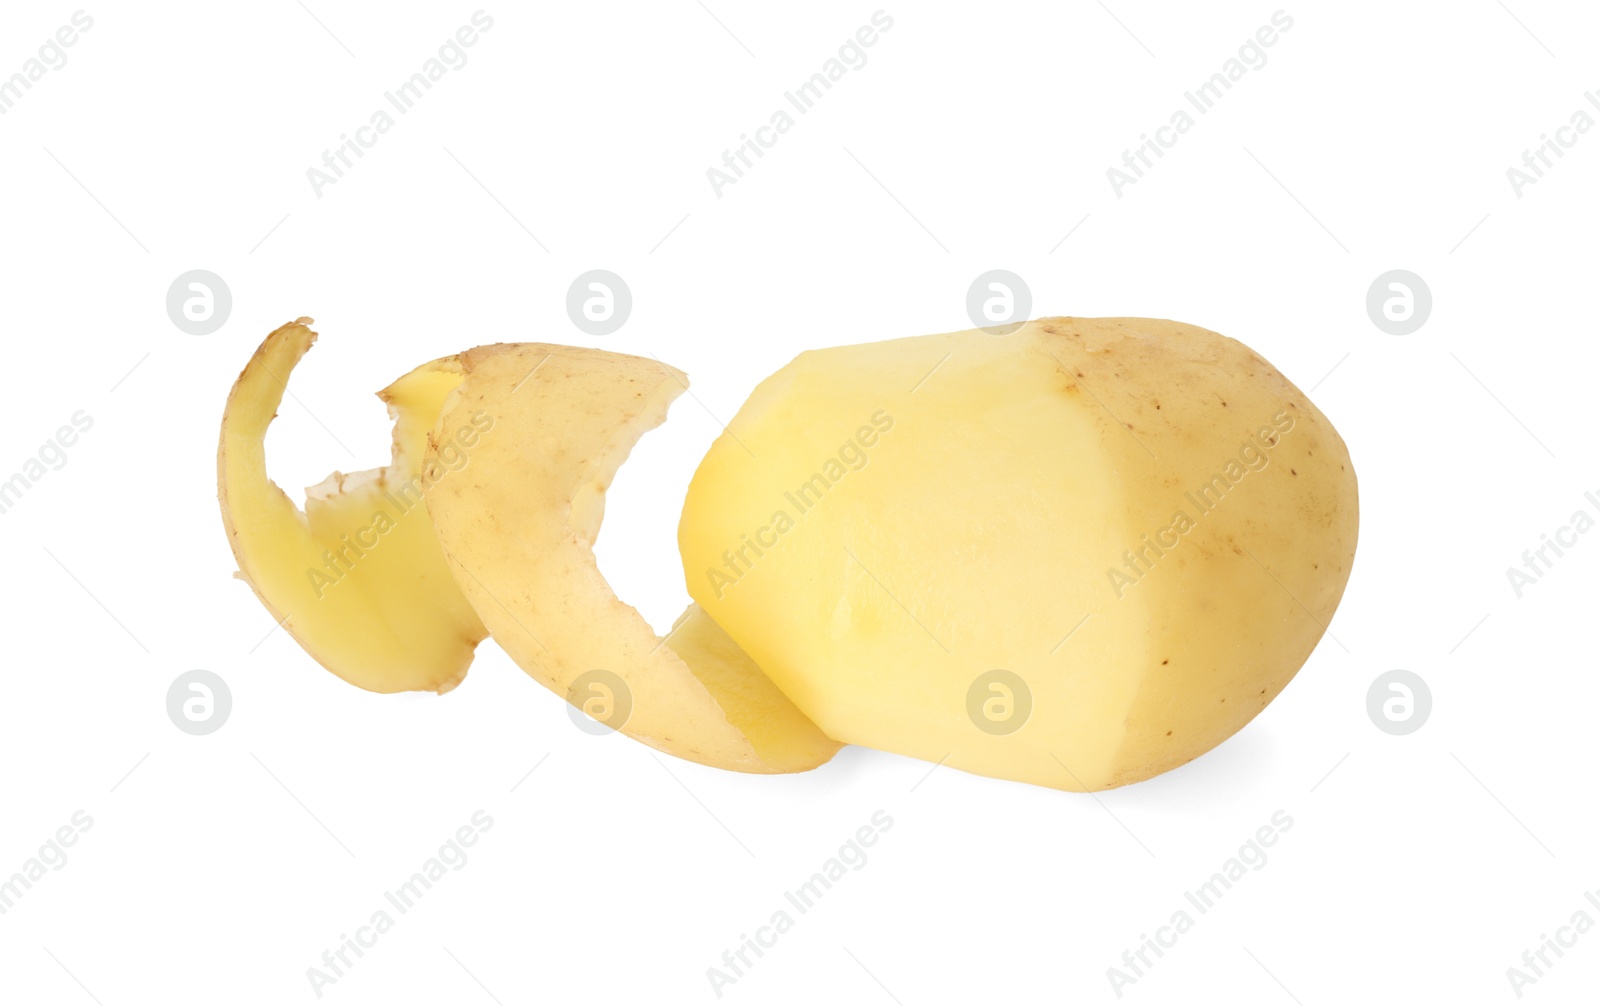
(357, 578)
(552, 425)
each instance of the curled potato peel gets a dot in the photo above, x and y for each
(484, 522)
(357, 577)
(565, 420)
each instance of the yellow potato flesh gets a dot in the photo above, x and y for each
(875, 570)
(519, 522)
(358, 578)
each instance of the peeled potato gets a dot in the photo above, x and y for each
(1078, 556)
(519, 521)
(357, 578)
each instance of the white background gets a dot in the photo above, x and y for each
(220, 868)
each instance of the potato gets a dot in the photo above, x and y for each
(1078, 555)
(518, 521)
(358, 578)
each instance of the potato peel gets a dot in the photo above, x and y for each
(519, 529)
(357, 578)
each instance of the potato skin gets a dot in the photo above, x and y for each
(518, 524)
